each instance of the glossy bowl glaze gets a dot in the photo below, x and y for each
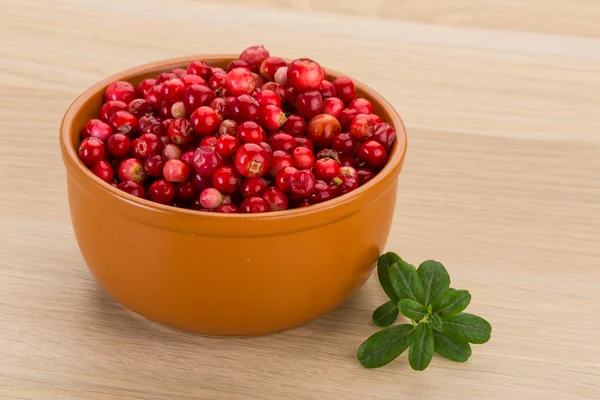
(226, 274)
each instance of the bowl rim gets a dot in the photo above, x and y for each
(71, 158)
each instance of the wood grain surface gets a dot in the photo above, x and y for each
(501, 100)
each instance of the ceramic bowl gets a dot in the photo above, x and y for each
(226, 274)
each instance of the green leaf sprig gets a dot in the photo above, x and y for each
(438, 323)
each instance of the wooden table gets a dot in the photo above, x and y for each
(502, 183)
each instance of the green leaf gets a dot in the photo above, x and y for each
(406, 282)
(421, 347)
(452, 349)
(384, 346)
(468, 327)
(384, 263)
(453, 303)
(411, 309)
(385, 315)
(435, 321)
(435, 280)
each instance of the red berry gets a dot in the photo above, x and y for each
(348, 161)
(373, 154)
(131, 169)
(188, 157)
(244, 108)
(101, 131)
(200, 68)
(375, 118)
(154, 165)
(346, 170)
(268, 97)
(227, 209)
(271, 117)
(190, 80)
(291, 95)
(197, 96)
(254, 205)
(154, 96)
(173, 90)
(150, 124)
(118, 145)
(240, 81)
(227, 145)
(109, 108)
(309, 104)
(161, 191)
(252, 160)
(302, 183)
(326, 169)
(238, 64)
(283, 178)
(326, 89)
(178, 110)
(270, 65)
(132, 188)
(322, 128)
(251, 132)
(253, 187)
(91, 151)
(279, 161)
(305, 74)
(146, 145)
(104, 171)
(280, 76)
(363, 106)
(344, 89)
(303, 158)
(221, 106)
(179, 72)
(328, 153)
(205, 121)
(209, 141)
(305, 142)
(276, 88)
(176, 171)
(211, 198)
(166, 109)
(227, 127)
(87, 128)
(123, 122)
(322, 193)
(333, 106)
(145, 85)
(276, 200)
(362, 127)
(226, 179)
(348, 115)
(121, 91)
(342, 184)
(282, 141)
(202, 182)
(344, 144)
(385, 135)
(185, 192)
(218, 81)
(206, 160)
(254, 56)
(295, 125)
(164, 76)
(140, 108)
(181, 132)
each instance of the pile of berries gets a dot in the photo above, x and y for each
(262, 136)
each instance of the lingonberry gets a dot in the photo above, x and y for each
(344, 144)
(140, 108)
(200, 68)
(326, 89)
(322, 193)
(238, 64)
(178, 110)
(268, 97)
(302, 141)
(348, 115)
(282, 141)
(276, 200)
(123, 122)
(164, 76)
(328, 153)
(202, 182)
(227, 209)
(101, 131)
(373, 153)
(364, 175)
(270, 65)
(280, 76)
(205, 121)
(104, 171)
(209, 141)
(305, 74)
(179, 72)
(240, 81)
(206, 160)
(259, 82)
(173, 90)
(347, 170)
(283, 178)
(221, 106)
(363, 106)
(226, 179)
(146, 145)
(197, 96)
(348, 161)
(244, 108)
(86, 131)
(276, 88)
(384, 134)
(227, 127)
(91, 151)
(252, 160)
(132, 188)
(362, 127)
(253, 187)
(180, 132)
(120, 90)
(171, 152)
(190, 80)
(154, 96)
(227, 145)
(165, 110)
(333, 106)
(344, 89)
(145, 85)
(154, 165)
(188, 157)
(161, 191)
(185, 192)
(251, 132)
(271, 117)
(150, 124)
(218, 81)
(254, 55)
(322, 128)
(303, 183)
(326, 169)
(303, 158)
(375, 118)
(342, 184)
(279, 161)
(131, 169)
(291, 95)
(211, 198)
(309, 104)
(295, 125)
(254, 205)
(109, 108)
(118, 145)
(176, 171)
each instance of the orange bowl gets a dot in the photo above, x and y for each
(226, 274)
